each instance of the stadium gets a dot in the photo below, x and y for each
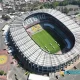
(44, 40)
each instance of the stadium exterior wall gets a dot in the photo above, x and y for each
(27, 64)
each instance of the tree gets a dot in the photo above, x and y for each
(55, 4)
(2, 72)
(5, 17)
(41, 7)
(65, 10)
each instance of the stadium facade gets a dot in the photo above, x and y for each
(31, 55)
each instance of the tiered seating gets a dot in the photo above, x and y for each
(78, 39)
(47, 61)
(73, 26)
(23, 48)
(52, 12)
(56, 13)
(75, 51)
(69, 22)
(21, 42)
(37, 60)
(60, 60)
(47, 10)
(17, 32)
(64, 18)
(77, 33)
(76, 29)
(68, 43)
(70, 55)
(18, 37)
(35, 55)
(55, 61)
(67, 57)
(32, 51)
(46, 24)
(26, 53)
(40, 60)
(63, 59)
(14, 28)
(77, 45)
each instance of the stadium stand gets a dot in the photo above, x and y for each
(51, 26)
(36, 58)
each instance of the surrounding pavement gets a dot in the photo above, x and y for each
(17, 72)
(20, 73)
(3, 78)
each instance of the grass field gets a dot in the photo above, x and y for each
(46, 41)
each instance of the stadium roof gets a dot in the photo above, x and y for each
(41, 58)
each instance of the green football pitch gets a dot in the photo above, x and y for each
(47, 42)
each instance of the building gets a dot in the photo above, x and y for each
(31, 55)
(10, 6)
(72, 9)
(37, 77)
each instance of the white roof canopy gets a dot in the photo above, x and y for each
(37, 77)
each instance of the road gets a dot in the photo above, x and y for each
(67, 76)
(17, 72)
(2, 44)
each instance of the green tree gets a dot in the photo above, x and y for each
(55, 4)
(2, 72)
(41, 7)
(5, 17)
(65, 10)
(63, 3)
